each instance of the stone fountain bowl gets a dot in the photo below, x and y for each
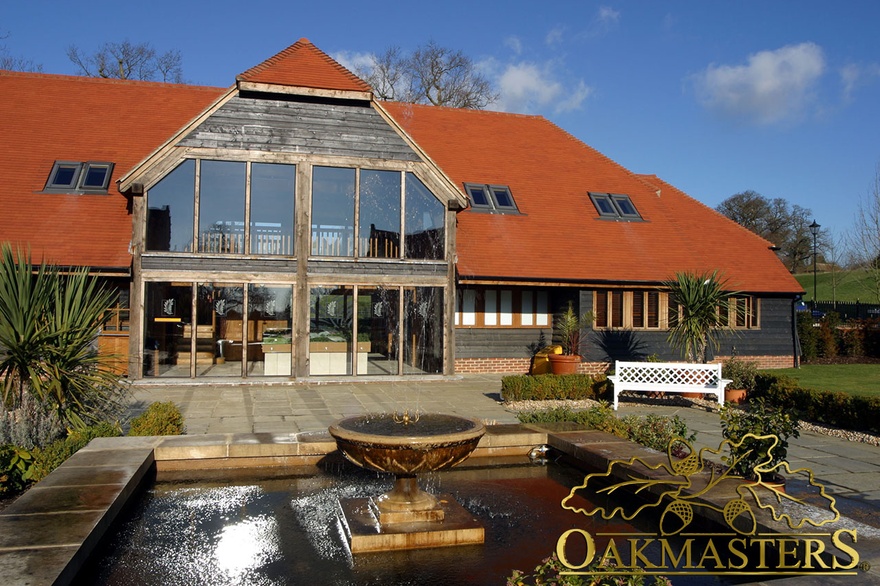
(386, 444)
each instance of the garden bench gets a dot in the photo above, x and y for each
(668, 377)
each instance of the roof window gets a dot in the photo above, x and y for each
(491, 198)
(615, 206)
(73, 177)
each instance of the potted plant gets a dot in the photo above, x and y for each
(570, 327)
(741, 374)
(748, 429)
(699, 298)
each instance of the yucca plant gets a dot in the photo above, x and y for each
(48, 331)
(703, 300)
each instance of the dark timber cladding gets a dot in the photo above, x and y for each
(301, 125)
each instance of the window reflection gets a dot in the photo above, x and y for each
(425, 222)
(170, 210)
(219, 348)
(379, 226)
(333, 191)
(221, 207)
(270, 330)
(272, 212)
(330, 330)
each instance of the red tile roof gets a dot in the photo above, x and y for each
(53, 117)
(558, 236)
(304, 65)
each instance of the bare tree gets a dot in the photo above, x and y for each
(865, 238)
(10, 62)
(786, 226)
(126, 60)
(430, 75)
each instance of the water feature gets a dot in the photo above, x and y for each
(286, 529)
(407, 517)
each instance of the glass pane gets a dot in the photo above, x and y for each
(423, 330)
(272, 201)
(626, 206)
(167, 329)
(96, 177)
(219, 348)
(604, 205)
(330, 330)
(425, 217)
(617, 309)
(490, 305)
(378, 331)
(527, 310)
(468, 307)
(601, 309)
(478, 196)
(502, 197)
(638, 309)
(379, 229)
(332, 211)
(170, 206)
(269, 330)
(542, 313)
(506, 308)
(65, 176)
(653, 309)
(221, 207)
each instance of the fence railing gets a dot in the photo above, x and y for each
(849, 309)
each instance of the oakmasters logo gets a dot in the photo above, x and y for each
(767, 528)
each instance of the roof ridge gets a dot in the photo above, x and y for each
(302, 44)
(473, 111)
(100, 80)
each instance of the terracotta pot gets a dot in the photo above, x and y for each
(735, 396)
(564, 363)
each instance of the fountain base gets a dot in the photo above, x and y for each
(407, 529)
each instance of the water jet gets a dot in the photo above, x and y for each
(407, 517)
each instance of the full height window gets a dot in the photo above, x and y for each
(379, 218)
(333, 197)
(226, 192)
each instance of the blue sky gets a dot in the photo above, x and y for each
(715, 97)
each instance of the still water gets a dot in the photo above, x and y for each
(285, 529)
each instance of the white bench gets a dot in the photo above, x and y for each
(668, 377)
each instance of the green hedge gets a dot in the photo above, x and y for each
(653, 431)
(854, 412)
(551, 386)
(53, 455)
(159, 419)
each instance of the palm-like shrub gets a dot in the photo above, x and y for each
(703, 300)
(49, 323)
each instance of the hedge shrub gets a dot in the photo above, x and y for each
(653, 431)
(551, 386)
(54, 455)
(854, 412)
(159, 419)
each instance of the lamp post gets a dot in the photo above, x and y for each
(814, 230)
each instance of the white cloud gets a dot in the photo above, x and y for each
(353, 61)
(554, 37)
(526, 87)
(514, 44)
(772, 87)
(853, 76)
(608, 16)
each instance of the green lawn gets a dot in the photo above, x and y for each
(850, 287)
(856, 379)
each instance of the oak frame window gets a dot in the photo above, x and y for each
(502, 308)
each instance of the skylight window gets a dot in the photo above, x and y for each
(491, 198)
(73, 177)
(615, 206)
